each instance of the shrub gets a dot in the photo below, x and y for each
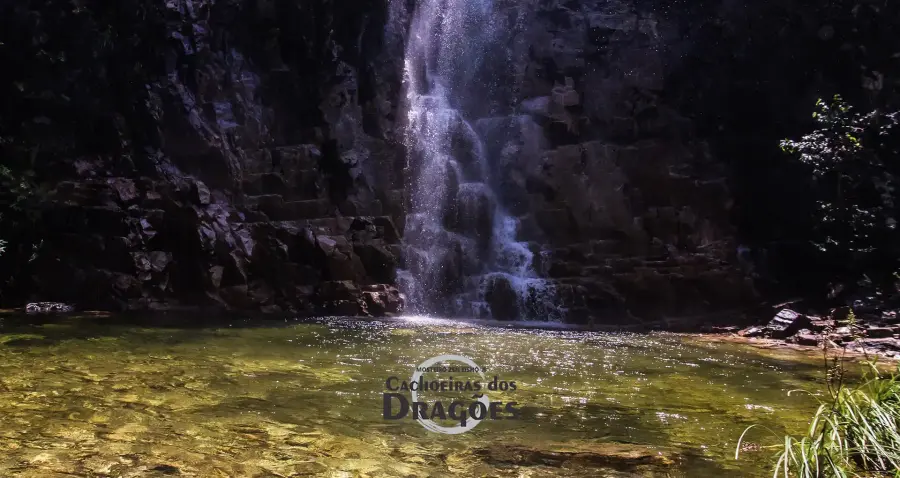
(851, 159)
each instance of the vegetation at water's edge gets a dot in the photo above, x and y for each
(855, 432)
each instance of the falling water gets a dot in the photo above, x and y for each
(461, 252)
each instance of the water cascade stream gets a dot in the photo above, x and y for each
(462, 253)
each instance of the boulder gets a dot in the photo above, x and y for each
(48, 308)
(382, 300)
(787, 323)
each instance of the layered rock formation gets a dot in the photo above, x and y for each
(217, 153)
(624, 206)
(248, 154)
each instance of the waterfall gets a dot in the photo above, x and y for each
(462, 256)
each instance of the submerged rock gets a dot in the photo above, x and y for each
(24, 340)
(167, 469)
(619, 456)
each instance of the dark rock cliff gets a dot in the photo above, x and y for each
(245, 153)
(206, 152)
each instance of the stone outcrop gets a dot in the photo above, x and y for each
(144, 243)
(873, 331)
(624, 204)
(245, 161)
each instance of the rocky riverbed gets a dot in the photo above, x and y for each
(867, 330)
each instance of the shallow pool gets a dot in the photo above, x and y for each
(93, 397)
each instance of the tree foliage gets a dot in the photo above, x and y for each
(851, 158)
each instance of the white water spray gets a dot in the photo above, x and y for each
(461, 252)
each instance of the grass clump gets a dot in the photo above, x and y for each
(855, 432)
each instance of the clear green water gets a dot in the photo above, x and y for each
(82, 398)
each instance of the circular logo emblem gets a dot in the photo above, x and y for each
(432, 426)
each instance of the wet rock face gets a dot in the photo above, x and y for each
(254, 159)
(501, 298)
(626, 205)
(248, 160)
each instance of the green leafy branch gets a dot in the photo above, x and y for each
(855, 189)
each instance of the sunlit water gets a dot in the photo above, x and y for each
(78, 398)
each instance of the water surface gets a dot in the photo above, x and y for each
(80, 397)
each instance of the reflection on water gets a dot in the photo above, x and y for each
(80, 398)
